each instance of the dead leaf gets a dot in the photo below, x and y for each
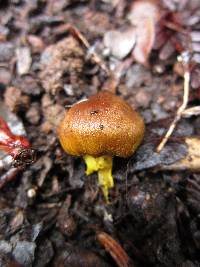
(146, 156)
(179, 154)
(192, 160)
(143, 16)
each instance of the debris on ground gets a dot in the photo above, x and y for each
(54, 54)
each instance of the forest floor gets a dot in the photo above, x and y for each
(55, 53)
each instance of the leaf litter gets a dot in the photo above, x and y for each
(51, 213)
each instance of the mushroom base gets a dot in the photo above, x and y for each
(102, 165)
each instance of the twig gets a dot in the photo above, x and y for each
(181, 108)
(116, 251)
(194, 111)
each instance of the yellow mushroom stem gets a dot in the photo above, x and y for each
(102, 165)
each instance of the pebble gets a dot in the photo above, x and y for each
(6, 51)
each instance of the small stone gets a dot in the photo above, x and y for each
(6, 51)
(31, 193)
(119, 43)
(137, 76)
(68, 89)
(158, 112)
(24, 252)
(143, 98)
(24, 60)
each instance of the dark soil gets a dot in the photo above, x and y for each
(51, 212)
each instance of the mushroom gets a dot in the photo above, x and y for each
(98, 129)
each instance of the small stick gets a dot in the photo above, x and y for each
(114, 248)
(181, 108)
(194, 111)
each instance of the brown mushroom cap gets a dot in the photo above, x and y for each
(102, 125)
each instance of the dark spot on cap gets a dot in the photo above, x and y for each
(94, 112)
(101, 126)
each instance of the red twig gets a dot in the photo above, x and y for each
(16, 146)
(115, 250)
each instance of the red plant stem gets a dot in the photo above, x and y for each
(10, 143)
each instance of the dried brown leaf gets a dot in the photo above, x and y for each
(144, 15)
(192, 160)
